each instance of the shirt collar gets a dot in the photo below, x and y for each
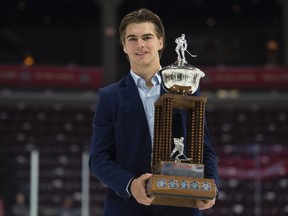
(156, 79)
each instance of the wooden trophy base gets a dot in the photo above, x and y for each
(181, 191)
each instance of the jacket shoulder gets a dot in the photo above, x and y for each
(114, 87)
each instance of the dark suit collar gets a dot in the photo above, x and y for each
(130, 85)
(132, 93)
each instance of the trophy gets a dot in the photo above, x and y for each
(177, 169)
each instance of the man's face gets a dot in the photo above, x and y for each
(141, 44)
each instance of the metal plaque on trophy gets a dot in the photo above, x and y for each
(177, 169)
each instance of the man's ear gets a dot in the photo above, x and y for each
(124, 48)
(160, 43)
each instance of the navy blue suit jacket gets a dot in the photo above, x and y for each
(121, 149)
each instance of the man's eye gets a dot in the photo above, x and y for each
(147, 38)
(131, 39)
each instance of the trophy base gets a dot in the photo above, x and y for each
(180, 191)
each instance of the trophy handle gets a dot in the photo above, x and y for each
(196, 80)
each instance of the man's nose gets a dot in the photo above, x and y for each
(140, 43)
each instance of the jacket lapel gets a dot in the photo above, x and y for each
(162, 90)
(134, 101)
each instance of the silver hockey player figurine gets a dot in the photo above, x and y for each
(181, 48)
(179, 148)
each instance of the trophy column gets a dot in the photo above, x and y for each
(162, 131)
(196, 132)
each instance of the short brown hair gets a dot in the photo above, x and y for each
(140, 16)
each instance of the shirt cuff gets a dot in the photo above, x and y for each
(128, 187)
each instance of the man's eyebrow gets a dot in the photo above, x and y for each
(145, 35)
(149, 34)
(130, 36)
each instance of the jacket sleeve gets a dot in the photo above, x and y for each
(210, 158)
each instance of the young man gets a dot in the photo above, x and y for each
(121, 148)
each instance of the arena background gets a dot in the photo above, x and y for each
(55, 54)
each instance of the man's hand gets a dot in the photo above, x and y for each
(138, 189)
(205, 204)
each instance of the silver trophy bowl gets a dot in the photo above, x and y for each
(181, 78)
